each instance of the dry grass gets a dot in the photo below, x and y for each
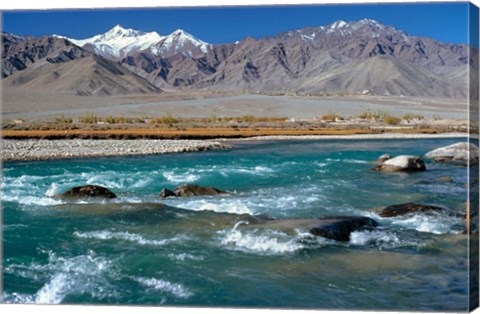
(190, 133)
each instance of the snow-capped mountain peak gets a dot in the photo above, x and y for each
(118, 42)
(178, 41)
(119, 31)
(341, 30)
(180, 32)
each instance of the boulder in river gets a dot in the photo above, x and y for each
(402, 163)
(462, 151)
(337, 228)
(191, 190)
(196, 190)
(88, 191)
(407, 208)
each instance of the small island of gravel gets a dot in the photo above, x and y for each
(63, 149)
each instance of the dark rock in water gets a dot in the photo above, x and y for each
(339, 228)
(196, 190)
(407, 208)
(403, 163)
(336, 227)
(166, 193)
(88, 191)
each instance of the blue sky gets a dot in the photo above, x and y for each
(446, 22)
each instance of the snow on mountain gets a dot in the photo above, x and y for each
(178, 41)
(119, 42)
(347, 28)
(365, 28)
(337, 25)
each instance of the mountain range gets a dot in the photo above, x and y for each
(359, 57)
(119, 42)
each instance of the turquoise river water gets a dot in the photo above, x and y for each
(133, 250)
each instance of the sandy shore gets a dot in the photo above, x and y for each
(63, 149)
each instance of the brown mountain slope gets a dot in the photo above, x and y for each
(91, 75)
(366, 38)
(269, 66)
(385, 75)
(20, 52)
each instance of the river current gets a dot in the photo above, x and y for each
(140, 249)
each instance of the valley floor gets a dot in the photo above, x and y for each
(36, 105)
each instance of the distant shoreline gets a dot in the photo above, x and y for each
(41, 149)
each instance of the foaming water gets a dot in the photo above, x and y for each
(125, 236)
(433, 223)
(265, 242)
(233, 206)
(76, 275)
(383, 239)
(180, 178)
(268, 242)
(185, 257)
(161, 285)
(31, 200)
(52, 190)
(274, 202)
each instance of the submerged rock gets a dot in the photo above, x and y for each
(436, 180)
(88, 191)
(407, 208)
(191, 190)
(462, 151)
(444, 179)
(402, 163)
(337, 228)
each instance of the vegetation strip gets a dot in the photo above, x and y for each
(193, 133)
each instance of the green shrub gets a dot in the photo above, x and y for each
(373, 115)
(331, 116)
(392, 120)
(167, 118)
(88, 118)
(64, 120)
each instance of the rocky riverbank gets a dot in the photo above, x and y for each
(63, 149)
(41, 149)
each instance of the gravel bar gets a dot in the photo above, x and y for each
(64, 149)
